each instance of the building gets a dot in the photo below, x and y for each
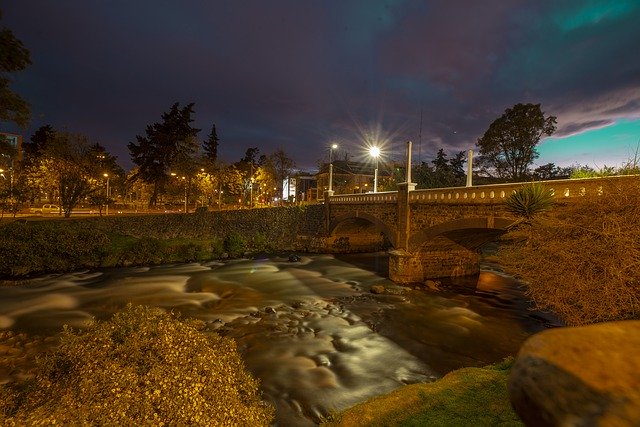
(8, 162)
(350, 178)
(296, 189)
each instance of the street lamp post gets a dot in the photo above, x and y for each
(185, 194)
(375, 153)
(106, 175)
(333, 147)
(251, 194)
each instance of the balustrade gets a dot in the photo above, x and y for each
(565, 188)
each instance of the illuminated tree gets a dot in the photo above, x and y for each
(248, 167)
(232, 183)
(507, 148)
(72, 164)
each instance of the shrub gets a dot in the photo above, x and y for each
(29, 248)
(187, 252)
(529, 200)
(260, 243)
(144, 251)
(234, 244)
(142, 367)
(217, 248)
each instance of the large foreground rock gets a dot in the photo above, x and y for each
(580, 376)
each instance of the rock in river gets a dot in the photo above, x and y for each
(579, 376)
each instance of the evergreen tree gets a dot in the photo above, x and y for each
(39, 141)
(210, 146)
(169, 144)
(445, 172)
(441, 162)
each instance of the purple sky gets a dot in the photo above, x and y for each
(301, 74)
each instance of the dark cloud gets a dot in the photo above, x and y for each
(299, 75)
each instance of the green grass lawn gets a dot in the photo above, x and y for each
(465, 397)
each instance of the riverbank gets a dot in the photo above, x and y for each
(34, 247)
(580, 259)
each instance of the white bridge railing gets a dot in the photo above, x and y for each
(490, 193)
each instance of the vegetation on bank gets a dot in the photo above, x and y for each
(581, 259)
(33, 247)
(141, 367)
(465, 397)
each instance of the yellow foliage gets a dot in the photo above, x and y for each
(142, 367)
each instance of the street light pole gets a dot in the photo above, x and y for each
(375, 153)
(333, 147)
(107, 209)
(185, 194)
(251, 194)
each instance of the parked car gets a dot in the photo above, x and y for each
(47, 208)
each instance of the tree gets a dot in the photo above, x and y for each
(551, 171)
(445, 172)
(73, 165)
(248, 168)
(39, 141)
(13, 57)
(169, 144)
(507, 148)
(210, 146)
(280, 166)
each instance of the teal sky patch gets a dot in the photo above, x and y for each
(593, 13)
(612, 145)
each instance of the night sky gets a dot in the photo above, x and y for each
(302, 74)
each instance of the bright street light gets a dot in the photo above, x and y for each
(375, 153)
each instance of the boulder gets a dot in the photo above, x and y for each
(377, 289)
(434, 285)
(579, 376)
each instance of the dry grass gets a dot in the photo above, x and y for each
(582, 259)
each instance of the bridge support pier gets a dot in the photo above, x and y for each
(406, 267)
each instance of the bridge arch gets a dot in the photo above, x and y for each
(468, 232)
(384, 228)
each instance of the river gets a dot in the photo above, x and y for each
(310, 330)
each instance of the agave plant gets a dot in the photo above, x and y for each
(530, 200)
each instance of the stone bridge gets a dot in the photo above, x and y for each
(437, 232)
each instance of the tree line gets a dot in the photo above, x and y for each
(170, 163)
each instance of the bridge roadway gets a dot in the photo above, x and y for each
(437, 232)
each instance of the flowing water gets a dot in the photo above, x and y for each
(311, 331)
